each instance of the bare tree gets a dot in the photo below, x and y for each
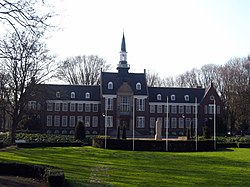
(153, 79)
(85, 70)
(24, 14)
(25, 60)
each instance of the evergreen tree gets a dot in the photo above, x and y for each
(80, 132)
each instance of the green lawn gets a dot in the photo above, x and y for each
(88, 166)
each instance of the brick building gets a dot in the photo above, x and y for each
(124, 99)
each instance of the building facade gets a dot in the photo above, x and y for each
(123, 99)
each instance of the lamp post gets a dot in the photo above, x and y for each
(196, 125)
(214, 125)
(133, 123)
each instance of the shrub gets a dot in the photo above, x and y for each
(80, 133)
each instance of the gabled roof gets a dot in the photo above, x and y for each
(65, 91)
(131, 78)
(178, 92)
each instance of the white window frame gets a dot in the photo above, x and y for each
(173, 123)
(109, 103)
(72, 121)
(64, 121)
(186, 97)
(188, 109)
(158, 97)
(65, 107)
(172, 98)
(49, 106)
(57, 121)
(94, 121)
(87, 95)
(109, 121)
(138, 86)
(159, 109)
(79, 107)
(87, 107)
(72, 95)
(32, 105)
(181, 109)
(87, 121)
(110, 85)
(181, 123)
(152, 122)
(72, 107)
(173, 109)
(140, 122)
(140, 104)
(57, 106)
(95, 107)
(152, 108)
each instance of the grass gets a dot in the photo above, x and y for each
(88, 166)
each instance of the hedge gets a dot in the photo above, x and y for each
(153, 145)
(47, 144)
(54, 176)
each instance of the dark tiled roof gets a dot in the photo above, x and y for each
(178, 92)
(131, 78)
(50, 91)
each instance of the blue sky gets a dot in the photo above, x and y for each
(168, 37)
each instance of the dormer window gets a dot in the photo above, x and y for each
(172, 97)
(110, 85)
(58, 95)
(87, 95)
(138, 86)
(72, 95)
(211, 97)
(186, 97)
(158, 97)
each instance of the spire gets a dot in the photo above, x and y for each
(123, 46)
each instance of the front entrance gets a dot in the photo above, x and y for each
(125, 121)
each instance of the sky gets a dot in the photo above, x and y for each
(167, 37)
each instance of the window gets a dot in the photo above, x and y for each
(159, 108)
(125, 103)
(211, 109)
(49, 121)
(87, 121)
(165, 120)
(110, 85)
(72, 95)
(79, 118)
(186, 97)
(49, 106)
(181, 123)
(173, 123)
(87, 107)
(158, 97)
(72, 122)
(172, 97)
(140, 104)
(58, 95)
(32, 105)
(152, 108)
(165, 109)
(188, 109)
(57, 106)
(109, 121)
(57, 121)
(95, 107)
(109, 103)
(65, 107)
(140, 122)
(181, 109)
(173, 109)
(188, 122)
(138, 86)
(87, 95)
(152, 122)
(211, 97)
(64, 121)
(95, 121)
(64, 132)
(80, 107)
(56, 132)
(72, 107)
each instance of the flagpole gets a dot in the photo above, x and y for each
(105, 142)
(167, 127)
(133, 123)
(214, 125)
(196, 125)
